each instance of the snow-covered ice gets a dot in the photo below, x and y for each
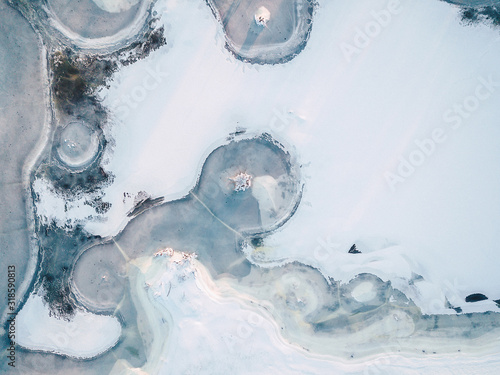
(85, 335)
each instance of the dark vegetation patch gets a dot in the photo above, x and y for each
(153, 39)
(98, 205)
(76, 80)
(77, 77)
(59, 248)
(473, 16)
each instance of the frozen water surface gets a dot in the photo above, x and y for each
(333, 210)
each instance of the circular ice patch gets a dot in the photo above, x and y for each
(78, 145)
(298, 292)
(364, 292)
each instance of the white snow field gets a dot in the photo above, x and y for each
(86, 335)
(391, 110)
